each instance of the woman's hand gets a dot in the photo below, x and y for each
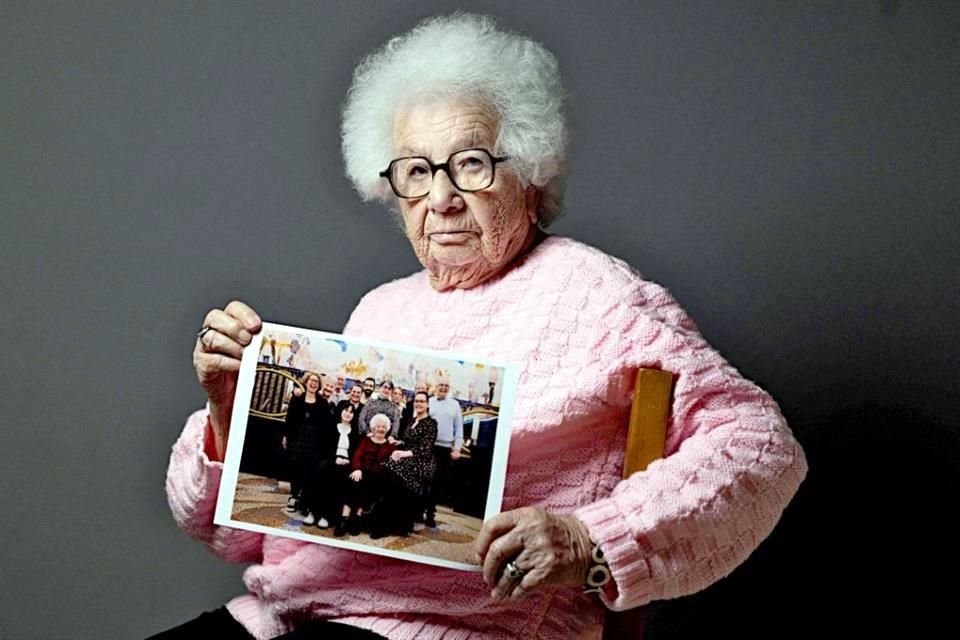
(216, 358)
(397, 456)
(342, 461)
(357, 475)
(549, 549)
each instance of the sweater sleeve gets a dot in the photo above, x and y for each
(365, 414)
(458, 429)
(356, 464)
(192, 484)
(395, 422)
(731, 464)
(293, 418)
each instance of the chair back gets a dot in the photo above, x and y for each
(649, 415)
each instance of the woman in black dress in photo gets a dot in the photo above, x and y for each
(412, 466)
(307, 412)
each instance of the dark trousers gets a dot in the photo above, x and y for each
(294, 473)
(307, 492)
(322, 487)
(394, 513)
(330, 490)
(360, 495)
(220, 624)
(440, 489)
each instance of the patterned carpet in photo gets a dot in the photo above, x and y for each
(260, 500)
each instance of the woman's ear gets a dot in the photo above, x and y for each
(532, 198)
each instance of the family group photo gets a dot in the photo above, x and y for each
(388, 449)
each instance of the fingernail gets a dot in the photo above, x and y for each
(251, 321)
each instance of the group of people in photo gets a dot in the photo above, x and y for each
(368, 458)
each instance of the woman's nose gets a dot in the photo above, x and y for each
(444, 196)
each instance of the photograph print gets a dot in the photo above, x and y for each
(381, 448)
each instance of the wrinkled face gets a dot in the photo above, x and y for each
(461, 238)
(380, 428)
(346, 416)
(313, 384)
(443, 388)
(355, 393)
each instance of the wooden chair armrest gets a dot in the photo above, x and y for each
(652, 395)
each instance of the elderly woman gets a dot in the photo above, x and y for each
(459, 127)
(367, 474)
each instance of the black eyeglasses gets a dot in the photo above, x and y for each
(469, 170)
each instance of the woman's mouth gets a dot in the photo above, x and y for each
(451, 237)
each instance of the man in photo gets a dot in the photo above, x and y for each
(406, 416)
(446, 411)
(355, 400)
(369, 385)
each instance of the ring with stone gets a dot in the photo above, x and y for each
(513, 571)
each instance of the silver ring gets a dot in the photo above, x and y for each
(203, 331)
(513, 572)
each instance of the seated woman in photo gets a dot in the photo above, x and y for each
(367, 476)
(410, 471)
(339, 443)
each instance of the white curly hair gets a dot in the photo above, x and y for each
(461, 56)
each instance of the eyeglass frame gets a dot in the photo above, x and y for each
(494, 161)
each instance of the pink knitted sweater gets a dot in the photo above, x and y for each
(580, 323)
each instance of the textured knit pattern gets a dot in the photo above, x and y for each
(580, 323)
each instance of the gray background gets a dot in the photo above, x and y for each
(788, 170)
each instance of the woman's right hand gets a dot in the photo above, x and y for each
(357, 475)
(216, 358)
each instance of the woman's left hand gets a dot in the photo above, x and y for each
(549, 549)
